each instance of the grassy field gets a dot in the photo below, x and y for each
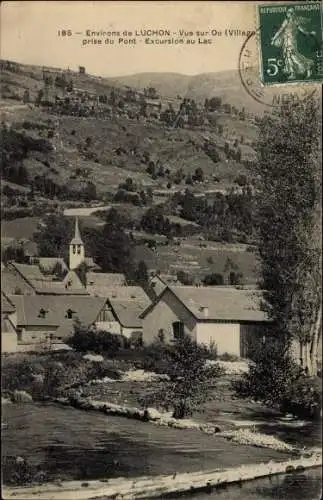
(19, 228)
(199, 260)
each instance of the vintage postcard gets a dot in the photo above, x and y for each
(161, 271)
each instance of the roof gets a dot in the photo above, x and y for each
(223, 303)
(86, 309)
(131, 293)
(11, 282)
(48, 264)
(72, 282)
(77, 240)
(28, 271)
(128, 312)
(6, 305)
(159, 282)
(58, 288)
(96, 282)
(7, 326)
(91, 264)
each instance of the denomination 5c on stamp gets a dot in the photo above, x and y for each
(291, 43)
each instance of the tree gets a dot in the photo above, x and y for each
(189, 179)
(288, 219)
(184, 278)
(214, 279)
(26, 96)
(89, 192)
(141, 275)
(235, 278)
(161, 171)
(191, 380)
(88, 142)
(54, 237)
(15, 253)
(111, 247)
(241, 180)
(198, 175)
(276, 380)
(214, 103)
(40, 95)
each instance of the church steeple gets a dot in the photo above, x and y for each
(77, 251)
(77, 240)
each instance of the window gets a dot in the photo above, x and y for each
(161, 335)
(69, 314)
(79, 249)
(74, 249)
(178, 329)
(42, 313)
(19, 334)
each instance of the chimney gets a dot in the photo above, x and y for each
(205, 311)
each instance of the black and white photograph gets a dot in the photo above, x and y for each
(161, 250)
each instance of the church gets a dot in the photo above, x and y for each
(77, 251)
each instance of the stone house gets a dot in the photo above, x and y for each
(46, 320)
(224, 316)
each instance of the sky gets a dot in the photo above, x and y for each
(29, 34)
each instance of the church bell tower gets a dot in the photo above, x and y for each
(77, 251)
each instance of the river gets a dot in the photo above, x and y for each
(71, 444)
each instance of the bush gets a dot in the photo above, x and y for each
(190, 379)
(304, 398)
(17, 471)
(153, 357)
(52, 375)
(275, 379)
(214, 279)
(97, 341)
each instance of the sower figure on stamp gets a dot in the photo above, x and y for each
(286, 37)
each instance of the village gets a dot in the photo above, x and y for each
(42, 308)
(161, 330)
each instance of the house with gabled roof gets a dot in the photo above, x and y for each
(43, 320)
(223, 316)
(123, 310)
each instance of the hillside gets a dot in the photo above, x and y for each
(137, 143)
(105, 142)
(225, 84)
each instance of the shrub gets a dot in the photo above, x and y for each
(97, 341)
(275, 379)
(304, 398)
(17, 471)
(153, 357)
(190, 379)
(214, 279)
(52, 375)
